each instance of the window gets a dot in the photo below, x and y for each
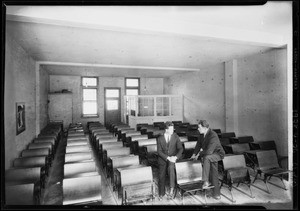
(89, 96)
(132, 87)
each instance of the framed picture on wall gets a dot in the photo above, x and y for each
(20, 118)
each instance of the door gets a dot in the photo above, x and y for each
(61, 108)
(112, 105)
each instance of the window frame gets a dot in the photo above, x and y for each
(133, 87)
(82, 101)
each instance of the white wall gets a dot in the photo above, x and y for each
(256, 99)
(262, 97)
(203, 93)
(19, 87)
(43, 94)
(73, 83)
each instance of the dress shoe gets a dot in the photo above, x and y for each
(160, 198)
(205, 185)
(171, 194)
(217, 197)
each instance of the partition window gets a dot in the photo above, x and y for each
(89, 97)
(132, 87)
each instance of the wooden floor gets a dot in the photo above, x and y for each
(278, 199)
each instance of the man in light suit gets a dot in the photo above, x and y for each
(211, 152)
(169, 149)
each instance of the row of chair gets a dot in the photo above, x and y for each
(25, 181)
(81, 182)
(131, 180)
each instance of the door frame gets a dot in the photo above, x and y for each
(105, 88)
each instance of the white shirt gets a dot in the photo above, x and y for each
(167, 137)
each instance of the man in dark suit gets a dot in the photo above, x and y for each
(169, 149)
(210, 151)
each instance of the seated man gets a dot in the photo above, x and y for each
(169, 149)
(211, 152)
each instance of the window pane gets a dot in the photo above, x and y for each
(132, 92)
(89, 94)
(112, 93)
(132, 82)
(89, 108)
(112, 104)
(89, 81)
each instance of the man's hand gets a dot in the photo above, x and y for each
(194, 157)
(172, 159)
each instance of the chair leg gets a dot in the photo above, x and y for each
(232, 199)
(266, 182)
(281, 178)
(255, 176)
(249, 186)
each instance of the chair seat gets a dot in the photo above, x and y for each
(192, 186)
(276, 171)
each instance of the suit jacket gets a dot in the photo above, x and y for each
(175, 148)
(210, 145)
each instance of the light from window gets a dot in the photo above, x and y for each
(132, 91)
(112, 93)
(131, 82)
(112, 104)
(89, 81)
(89, 94)
(89, 108)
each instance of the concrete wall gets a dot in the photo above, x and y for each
(73, 83)
(262, 97)
(253, 101)
(203, 95)
(19, 87)
(44, 89)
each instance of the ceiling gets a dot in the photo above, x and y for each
(145, 41)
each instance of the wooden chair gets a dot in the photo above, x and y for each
(189, 148)
(102, 140)
(133, 138)
(72, 170)
(268, 165)
(77, 142)
(118, 162)
(78, 157)
(82, 191)
(137, 184)
(29, 162)
(241, 139)
(35, 152)
(123, 130)
(235, 171)
(236, 148)
(240, 148)
(78, 148)
(267, 145)
(225, 137)
(189, 178)
(116, 151)
(18, 176)
(149, 155)
(108, 145)
(135, 147)
(77, 138)
(183, 139)
(156, 133)
(22, 194)
(140, 125)
(127, 135)
(41, 145)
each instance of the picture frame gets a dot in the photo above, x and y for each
(20, 117)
